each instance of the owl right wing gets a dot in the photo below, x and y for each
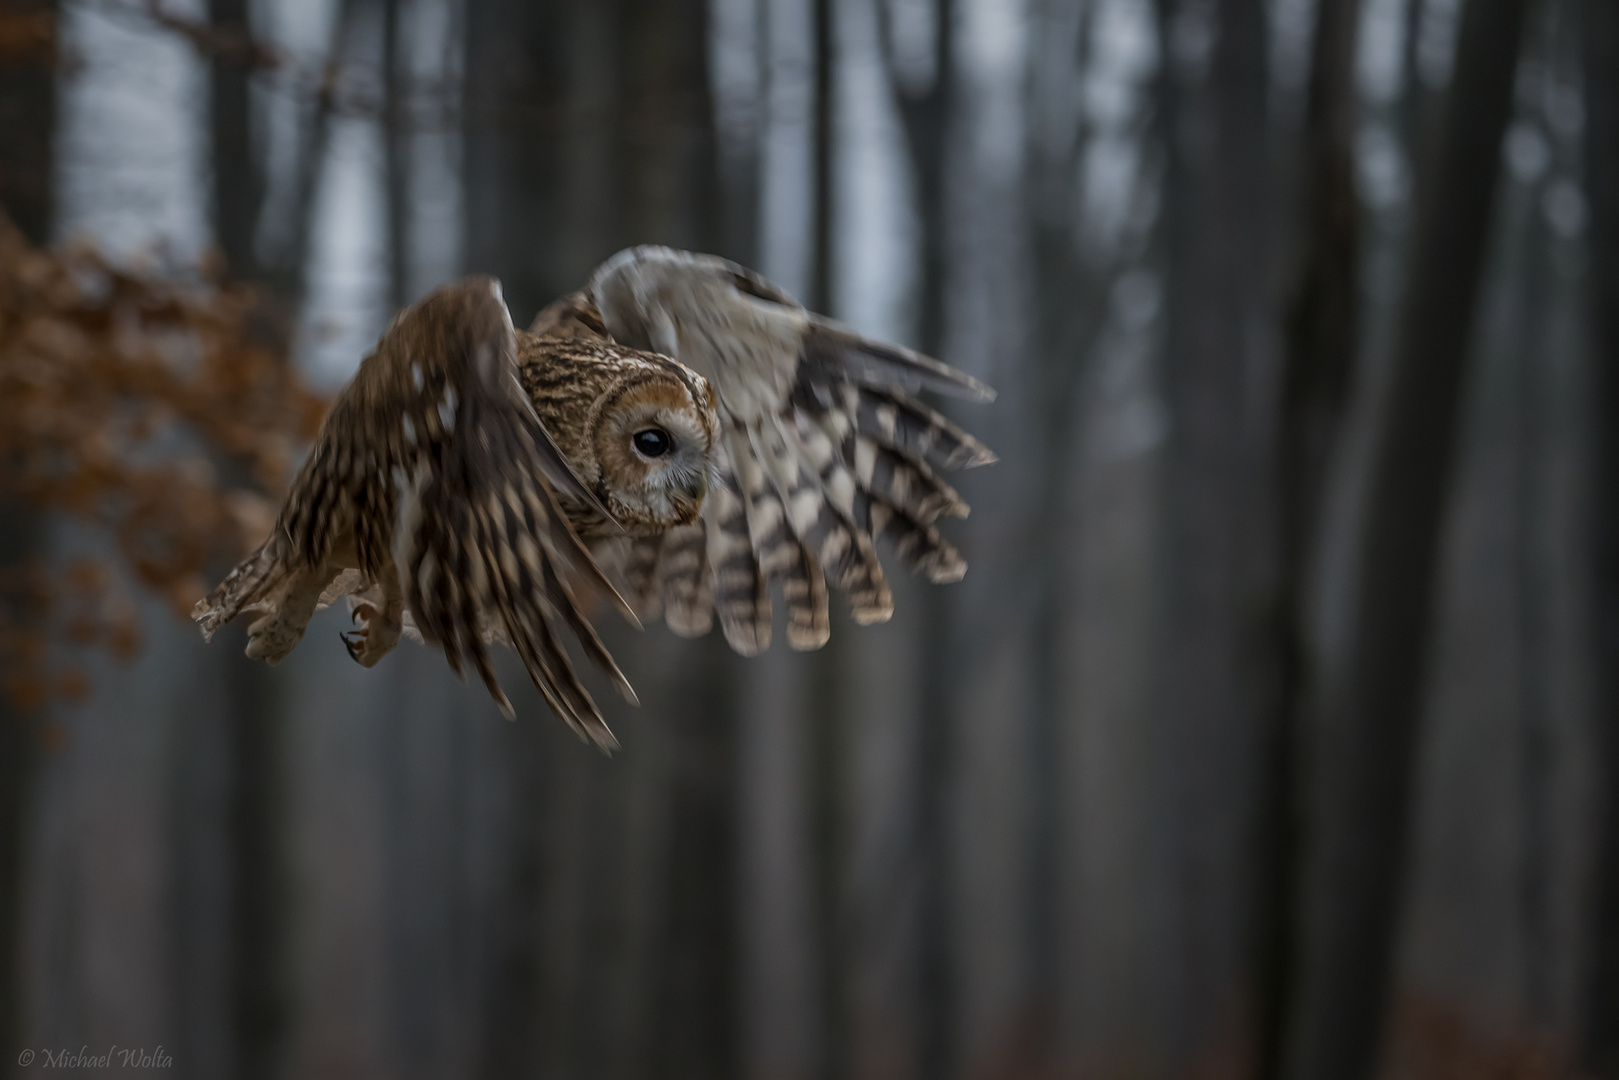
(825, 451)
(434, 463)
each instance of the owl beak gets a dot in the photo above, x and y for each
(698, 488)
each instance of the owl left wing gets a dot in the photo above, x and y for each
(825, 450)
(432, 478)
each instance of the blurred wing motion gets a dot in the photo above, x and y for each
(435, 480)
(823, 450)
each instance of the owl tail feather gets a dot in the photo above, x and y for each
(252, 580)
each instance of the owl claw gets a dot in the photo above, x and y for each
(375, 638)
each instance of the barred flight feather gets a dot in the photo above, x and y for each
(685, 586)
(826, 452)
(638, 559)
(431, 498)
(741, 585)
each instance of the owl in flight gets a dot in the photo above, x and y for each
(675, 437)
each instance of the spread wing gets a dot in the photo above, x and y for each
(432, 465)
(825, 451)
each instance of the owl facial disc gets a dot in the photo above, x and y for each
(655, 447)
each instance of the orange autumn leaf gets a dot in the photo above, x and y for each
(147, 406)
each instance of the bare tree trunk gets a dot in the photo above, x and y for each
(258, 887)
(1071, 294)
(396, 149)
(237, 174)
(1322, 318)
(257, 890)
(589, 127)
(669, 162)
(516, 105)
(1532, 605)
(740, 156)
(27, 130)
(828, 748)
(282, 274)
(1599, 1034)
(926, 116)
(28, 117)
(1214, 117)
(1370, 746)
(515, 155)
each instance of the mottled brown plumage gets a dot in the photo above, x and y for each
(592, 395)
(436, 478)
(681, 420)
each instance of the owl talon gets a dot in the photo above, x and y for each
(376, 636)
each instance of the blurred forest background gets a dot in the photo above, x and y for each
(1274, 732)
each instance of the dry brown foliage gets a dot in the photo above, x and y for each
(144, 404)
(27, 33)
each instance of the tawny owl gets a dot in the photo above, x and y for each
(681, 427)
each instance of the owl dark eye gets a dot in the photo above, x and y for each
(652, 441)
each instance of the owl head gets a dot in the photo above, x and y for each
(653, 436)
(640, 429)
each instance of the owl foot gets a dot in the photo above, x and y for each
(275, 633)
(271, 637)
(376, 636)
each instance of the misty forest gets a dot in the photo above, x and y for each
(1273, 733)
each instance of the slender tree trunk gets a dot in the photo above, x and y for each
(1322, 319)
(514, 153)
(27, 130)
(1371, 745)
(258, 892)
(516, 99)
(1071, 293)
(1419, 109)
(258, 889)
(589, 127)
(1216, 237)
(669, 162)
(396, 151)
(926, 116)
(1599, 1034)
(28, 117)
(281, 275)
(1070, 302)
(827, 745)
(237, 174)
(824, 165)
(20, 730)
(1532, 610)
(740, 153)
